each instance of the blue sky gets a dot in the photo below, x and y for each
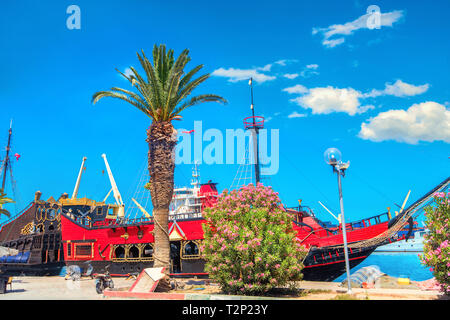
(321, 77)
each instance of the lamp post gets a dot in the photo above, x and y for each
(334, 158)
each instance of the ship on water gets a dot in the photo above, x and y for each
(50, 234)
(412, 244)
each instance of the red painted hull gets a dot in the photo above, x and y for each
(322, 264)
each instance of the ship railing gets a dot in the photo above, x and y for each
(16, 216)
(361, 224)
(324, 231)
(87, 222)
(185, 216)
(172, 217)
(367, 222)
(305, 211)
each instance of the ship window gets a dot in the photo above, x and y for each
(69, 249)
(190, 250)
(147, 251)
(99, 211)
(133, 252)
(119, 252)
(37, 242)
(40, 228)
(51, 214)
(39, 214)
(28, 244)
(83, 250)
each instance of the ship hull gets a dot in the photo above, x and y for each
(37, 270)
(324, 264)
(320, 265)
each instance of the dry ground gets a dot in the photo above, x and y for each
(57, 288)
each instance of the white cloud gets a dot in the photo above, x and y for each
(284, 62)
(128, 72)
(291, 75)
(333, 43)
(259, 74)
(295, 114)
(363, 22)
(325, 100)
(296, 89)
(267, 67)
(312, 66)
(235, 75)
(309, 70)
(398, 89)
(329, 99)
(427, 121)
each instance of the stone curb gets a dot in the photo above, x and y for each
(181, 296)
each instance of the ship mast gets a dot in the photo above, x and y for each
(254, 128)
(6, 161)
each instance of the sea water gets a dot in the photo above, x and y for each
(395, 264)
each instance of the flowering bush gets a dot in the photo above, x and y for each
(250, 245)
(436, 251)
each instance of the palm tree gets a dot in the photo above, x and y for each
(3, 200)
(162, 96)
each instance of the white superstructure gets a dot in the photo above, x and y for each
(187, 200)
(414, 244)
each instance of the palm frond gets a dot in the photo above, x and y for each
(4, 200)
(5, 212)
(101, 94)
(197, 100)
(188, 76)
(164, 92)
(189, 87)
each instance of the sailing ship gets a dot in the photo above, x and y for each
(52, 234)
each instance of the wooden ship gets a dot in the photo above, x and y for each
(49, 235)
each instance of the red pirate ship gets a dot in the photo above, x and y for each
(48, 235)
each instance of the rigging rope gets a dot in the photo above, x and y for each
(402, 219)
(311, 183)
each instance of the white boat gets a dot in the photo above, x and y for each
(413, 244)
(187, 200)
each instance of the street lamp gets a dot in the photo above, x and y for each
(334, 158)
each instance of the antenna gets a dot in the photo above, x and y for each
(195, 182)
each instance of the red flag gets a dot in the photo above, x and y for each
(17, 156)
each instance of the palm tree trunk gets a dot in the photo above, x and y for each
(162, 139)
